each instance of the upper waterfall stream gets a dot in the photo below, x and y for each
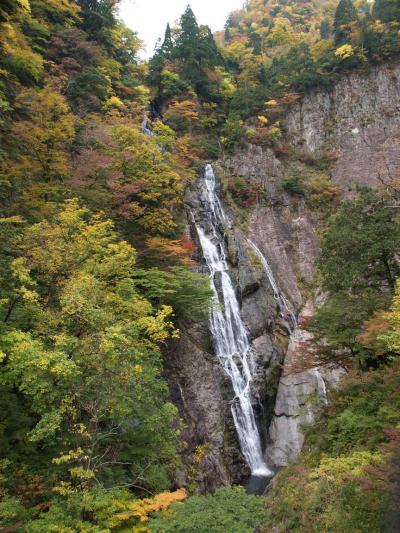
(231, 341)
(285, 307)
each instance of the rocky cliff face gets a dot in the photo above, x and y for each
(359, 121)
(282, 227)
(358, 124)
(199, 386)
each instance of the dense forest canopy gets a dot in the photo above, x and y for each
(97, 270)
(267, 57)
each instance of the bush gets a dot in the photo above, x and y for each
(294, 184)
(90, 88)
(322, 192)
(310, 181)
(189, 293)
(228, 510)
(27, 66)
(246, 193)
(232, 132)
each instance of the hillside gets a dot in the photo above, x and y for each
(199, 270)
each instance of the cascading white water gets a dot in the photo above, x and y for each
(145, 128)
(285, 307)
(231, 341)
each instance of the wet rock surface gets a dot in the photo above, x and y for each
(197, 387)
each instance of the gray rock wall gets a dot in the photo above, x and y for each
(300, 396)
(282, 227)
(359, 121)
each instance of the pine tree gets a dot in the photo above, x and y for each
(208, 48)
(345, 14)
(387, 10)
(156, 65)
(196, 51)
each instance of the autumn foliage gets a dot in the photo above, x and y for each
(140, 510)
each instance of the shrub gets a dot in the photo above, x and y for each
(294, 184)
(246, 193)
(321, 191)
(344, 51)
(26, 65)
(228, 510)
(90, 87)
(232, 132)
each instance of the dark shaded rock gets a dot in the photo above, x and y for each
(197, 388)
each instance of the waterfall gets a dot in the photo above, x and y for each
(287, 312)
(231, 341)
(145, 128)
(285, 306)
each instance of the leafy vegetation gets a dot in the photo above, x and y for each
(95, 271)
(226, 510)
(270, 54)
(358, 267)
(349, 470)
(348, 473)
(80, 360)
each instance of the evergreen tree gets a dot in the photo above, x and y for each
(360, 245)
(98, 17)
(345, 14)
(187, 41)
(167, 47)
(156, 65)
(196, 51)
(157, 62)
(387, 10)
(325, 29)
(358, 268)
(208, 47)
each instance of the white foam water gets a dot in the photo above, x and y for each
(231, 341)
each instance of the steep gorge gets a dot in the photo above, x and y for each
(361, 111)
(185, 247)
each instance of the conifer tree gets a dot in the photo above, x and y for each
(186, 45)
(156, 65)
(387, 10)
(196, 50)
(208, 47)
(168, 44)
(325, 29)
(345, 14)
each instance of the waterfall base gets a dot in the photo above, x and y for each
(257, 484)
